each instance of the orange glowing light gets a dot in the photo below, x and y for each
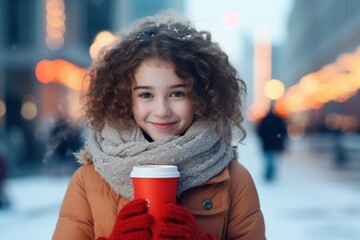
(257, 111)
(281, 108)
(45, 71)
(62, 72)
(309, 84)
(343, 62)
(337, 81)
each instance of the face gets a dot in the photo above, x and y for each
(160, 100)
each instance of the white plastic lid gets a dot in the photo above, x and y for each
(155, 171)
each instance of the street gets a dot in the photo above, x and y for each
(309, 200)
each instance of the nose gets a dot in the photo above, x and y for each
(162, 108)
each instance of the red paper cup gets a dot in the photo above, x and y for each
(157, 184)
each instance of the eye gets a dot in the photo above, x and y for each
(177, 94)
(145, 95)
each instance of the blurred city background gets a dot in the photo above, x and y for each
(299, 58)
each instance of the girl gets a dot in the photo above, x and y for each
(164, 94)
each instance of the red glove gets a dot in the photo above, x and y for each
(132, 222)
(179, 223)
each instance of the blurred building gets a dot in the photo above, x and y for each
(262, 62)
(321, 67)
(246, 70)
(44, 50)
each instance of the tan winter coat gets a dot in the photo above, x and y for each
(226, 206)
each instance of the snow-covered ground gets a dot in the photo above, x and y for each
(308, 201)
(35, 203)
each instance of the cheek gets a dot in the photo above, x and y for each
(138, 111)
(135, 110)
(187, 111)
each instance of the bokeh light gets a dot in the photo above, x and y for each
(55, 24)
(62, 72)
(102, 39)
(29, 110)
(274, 89)
(230, 19)
(2, 108)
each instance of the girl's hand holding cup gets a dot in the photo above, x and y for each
(132, 223)
(179, 223)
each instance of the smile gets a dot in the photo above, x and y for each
(163, 125)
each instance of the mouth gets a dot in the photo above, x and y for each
(163, 125)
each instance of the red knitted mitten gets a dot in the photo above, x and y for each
(179, 223)
(132, 222)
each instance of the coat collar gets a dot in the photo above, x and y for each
(221, 177)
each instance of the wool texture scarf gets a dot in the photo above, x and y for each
(199, 154)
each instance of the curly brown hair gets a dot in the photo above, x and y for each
(217, 91)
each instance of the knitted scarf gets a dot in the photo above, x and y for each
(199, 154)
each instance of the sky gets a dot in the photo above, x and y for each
(267, 16)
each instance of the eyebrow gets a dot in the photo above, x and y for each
(149, 87)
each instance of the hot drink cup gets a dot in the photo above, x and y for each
(157, 184)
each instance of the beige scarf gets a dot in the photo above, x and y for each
(199, 154)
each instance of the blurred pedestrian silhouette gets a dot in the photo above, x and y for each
(4, 200)
(65, 140)
(272, 132)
